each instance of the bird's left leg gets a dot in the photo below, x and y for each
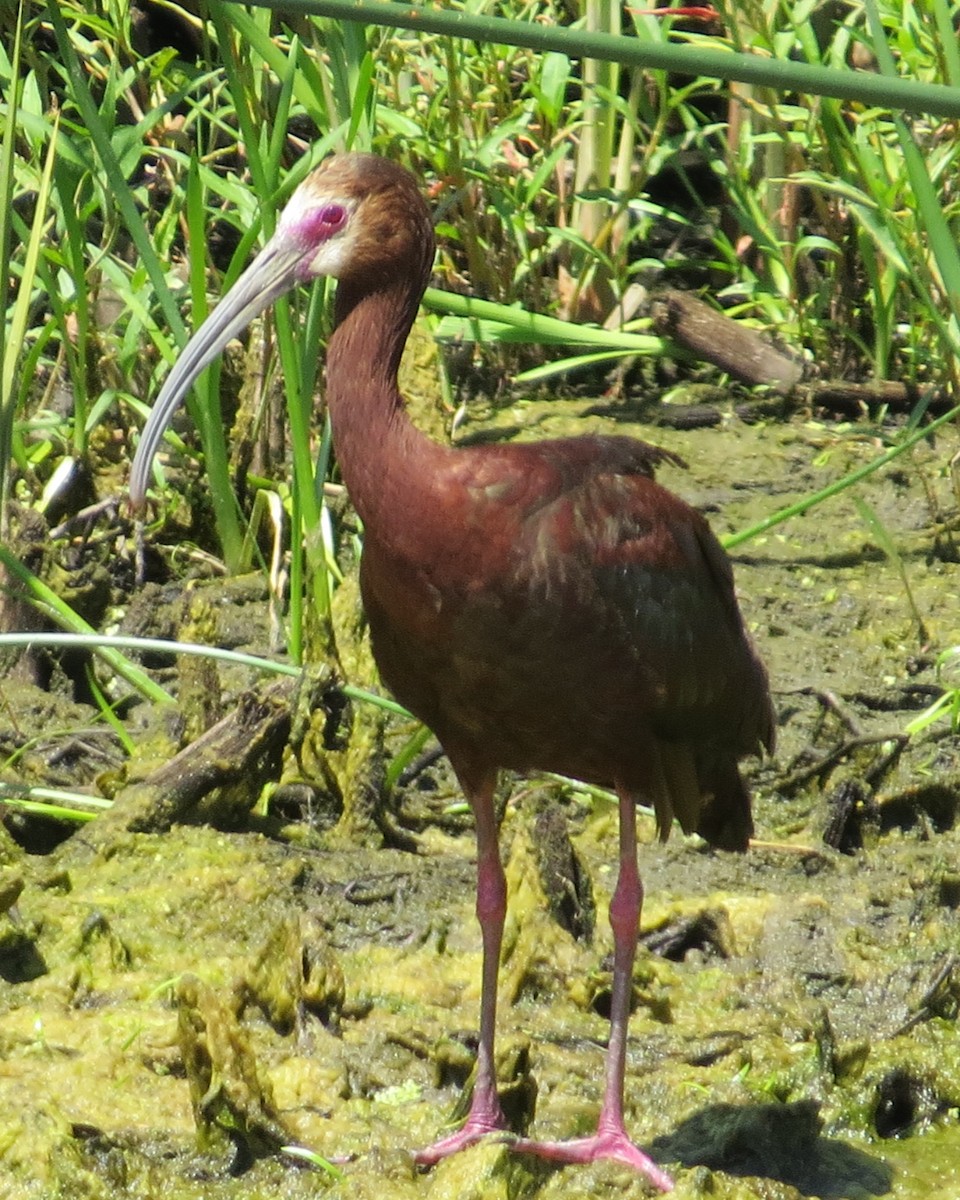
(486, 1115)
(611, 1139)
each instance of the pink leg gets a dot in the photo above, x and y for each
(611, 1139)
(485, 1114)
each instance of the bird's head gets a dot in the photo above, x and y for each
(357, 218)
(360, 218)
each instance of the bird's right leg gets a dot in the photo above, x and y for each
(611, 1139)
(486, 1115)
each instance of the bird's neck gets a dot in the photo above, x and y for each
(377, 445)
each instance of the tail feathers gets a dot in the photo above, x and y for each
(709, 798)
(725, 819)
(682, 787)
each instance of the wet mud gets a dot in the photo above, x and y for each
(177, 1008)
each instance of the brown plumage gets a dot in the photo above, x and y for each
(541, 606)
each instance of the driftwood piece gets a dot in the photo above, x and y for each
(852, 399)
(747, 356)
(245, 746)
(716, 338)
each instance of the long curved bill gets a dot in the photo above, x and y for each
(272, 273)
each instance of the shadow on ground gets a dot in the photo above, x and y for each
(775, 1141)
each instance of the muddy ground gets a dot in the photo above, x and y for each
(175, 1006)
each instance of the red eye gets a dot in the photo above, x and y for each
(325, 221)
(308, 225)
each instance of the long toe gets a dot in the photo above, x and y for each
(471, 1133)
(613, 1144)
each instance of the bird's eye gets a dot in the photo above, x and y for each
(327, 220)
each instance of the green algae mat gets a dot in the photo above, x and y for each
(185, 1009)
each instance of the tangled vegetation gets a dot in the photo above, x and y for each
(793, 169)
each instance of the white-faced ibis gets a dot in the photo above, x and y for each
(541, 607)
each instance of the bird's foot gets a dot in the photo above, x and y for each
(605, 1143)
(472, 1132)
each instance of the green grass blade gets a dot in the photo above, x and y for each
(9, 345)
(53, 607)
(731, 541)
(17, 332)
(209, 423)
(278, 139)
(251, 129)
(115, 178)
(83, 637)
(949, 45)
(687, 59)
(405, 756)
(566, 366)
(881, 535)
(74, 246)
(108, 714)
(530, 327)
(929, 207)
(33, 802)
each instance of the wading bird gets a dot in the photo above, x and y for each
(541, 607)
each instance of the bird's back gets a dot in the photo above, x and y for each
(562, 611)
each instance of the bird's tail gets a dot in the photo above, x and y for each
(725, 819)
